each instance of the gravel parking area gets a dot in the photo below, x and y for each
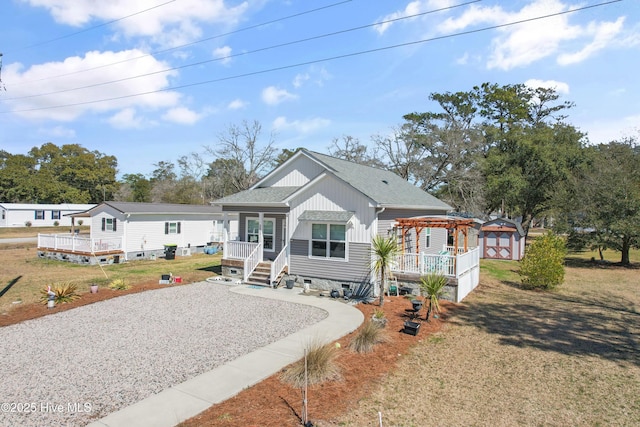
(73, 367)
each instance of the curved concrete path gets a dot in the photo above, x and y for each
(183, 401)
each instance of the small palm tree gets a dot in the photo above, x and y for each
(432, 287)
(383, 251)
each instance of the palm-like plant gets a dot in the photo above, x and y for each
(432, 287)
(383, 251)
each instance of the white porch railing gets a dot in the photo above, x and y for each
(252, 261)
(73, 243)
(279, 263)
(452, 250)
(238, 250)
(447, 265)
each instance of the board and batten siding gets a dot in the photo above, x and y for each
(295, 174)
(355, 269)
(387, 219)
(331, 194)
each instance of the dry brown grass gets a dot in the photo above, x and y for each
(515, 357)
(23, 275)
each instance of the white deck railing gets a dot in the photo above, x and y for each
(252, 261)
(452, 250)
(238, 250)
(279, 263)
(447, 265)
(73, 243)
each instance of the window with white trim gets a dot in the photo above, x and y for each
(172, 228)
(268, 232)
(39, 214)
(55, 214)
(328, 241)
(109, 224)
(427, 237)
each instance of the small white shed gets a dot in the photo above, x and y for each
(502, 238)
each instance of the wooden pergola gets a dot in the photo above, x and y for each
(459, 225)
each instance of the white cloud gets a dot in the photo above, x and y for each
(603, 33)
(527, 42)
(412, 8)
(182, 115)
(52, 91)
(301, 126)
(223, 54)
(58, 132)
(274, 96)
(560, 87)
(126, 119)
(237, 104)
(604, 131)
(169, 24)
(299, 79)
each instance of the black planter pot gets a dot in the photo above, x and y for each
(411, 328)
(289, 283)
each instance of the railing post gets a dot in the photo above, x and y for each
(421, 263)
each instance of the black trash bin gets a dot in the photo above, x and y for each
(170, 251)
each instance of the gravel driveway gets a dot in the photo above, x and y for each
(79, 365)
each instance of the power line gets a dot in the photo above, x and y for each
(104, 24)
(332, 58)
(166, 70)
(251, 27)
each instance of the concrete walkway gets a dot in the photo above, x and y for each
(178, 403)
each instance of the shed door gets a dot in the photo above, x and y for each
(498, 244)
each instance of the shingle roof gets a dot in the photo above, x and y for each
(384, 187)
(259, 196)
(162, 208)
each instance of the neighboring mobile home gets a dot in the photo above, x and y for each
(39, 215)
(130, 231)
(315, 215)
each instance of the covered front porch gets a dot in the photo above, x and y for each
(261, 253)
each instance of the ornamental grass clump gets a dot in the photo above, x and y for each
(63, 292)
(321, 366)
(432, 287)
(119, 285)
(543, 264)
(367, 337)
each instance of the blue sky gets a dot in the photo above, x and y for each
(152, 80)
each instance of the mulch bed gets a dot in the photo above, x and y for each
(274, 403)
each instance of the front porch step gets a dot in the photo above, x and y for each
(261, 275)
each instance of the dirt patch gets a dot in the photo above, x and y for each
(273, 403)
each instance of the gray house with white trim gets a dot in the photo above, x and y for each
(315, 215)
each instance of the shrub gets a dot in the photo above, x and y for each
(56, 223)
(321, 366)
(80, 222)
(27, 224)
(64, 292)
(543, 264)
(432, 287)
(367, 337)
(119, 285)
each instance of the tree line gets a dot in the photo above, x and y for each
(492, 149)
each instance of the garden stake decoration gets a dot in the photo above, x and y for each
(51, 298)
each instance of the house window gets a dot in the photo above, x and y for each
(172, 228)
(427, 237)
(329, 241)
(268, 232)
(109, 224)
(4, 214)
(39, 214)
(55, 214)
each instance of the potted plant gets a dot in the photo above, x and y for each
(94, 288)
